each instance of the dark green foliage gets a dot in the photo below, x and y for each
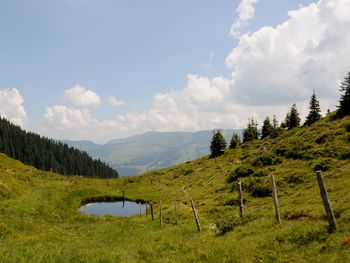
(295, 215)
(245, 171)
(47, 154)
(218, 144)
(324, 137)
(314, 113)
(292, 118)
(267, 128)
(258, 187)
(264, 160)
(251, 132)
(227, 224)
(235, 141)
(347, 126)
(344, 107)
(275, 129)
(324, 165)
(294, 179)
(296, 148)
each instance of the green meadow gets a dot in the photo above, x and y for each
(40, 219)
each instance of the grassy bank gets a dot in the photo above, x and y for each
(40, 221)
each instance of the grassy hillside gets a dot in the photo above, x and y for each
(40, 221)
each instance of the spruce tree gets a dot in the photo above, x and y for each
(266, 128)
(235, 141)
(292, 119)
(275, 128)
(314, 113)
(251, 132)
(218, 144)
(344, 107)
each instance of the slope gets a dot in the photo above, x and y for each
(40, 222)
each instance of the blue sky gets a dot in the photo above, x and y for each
(153, 57)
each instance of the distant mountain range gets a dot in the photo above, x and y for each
(151, 150)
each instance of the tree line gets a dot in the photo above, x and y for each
(292, 120)
(50, 155)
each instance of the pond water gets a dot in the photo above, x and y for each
(120, 208)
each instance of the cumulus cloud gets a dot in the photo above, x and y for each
(115, 102)
(277, 65)
(246, 12)
(12, 106)
(62, 117)
(272, 68)
(80, 96)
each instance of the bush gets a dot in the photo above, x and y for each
(288, 215)
(294, 179)
(324, 137)
(347, 127)
(265, 160)
(241, 171)
(225, 225)
(245, 171)
(296, 148)
(258, 187)
(233, 202)
(324, 165)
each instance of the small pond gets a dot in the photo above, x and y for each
(119, 208)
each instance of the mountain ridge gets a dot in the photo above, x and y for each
(151, 150)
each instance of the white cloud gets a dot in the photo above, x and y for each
(80, 96)
(62, 117)
(272, 68)
(246, 12)
(12, 106)
(115, 102)
(283, 64)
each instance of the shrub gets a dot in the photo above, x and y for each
(324, 165)
(265, 160)
(294, 179)
(324, 137)
(233, 202)
(288, 215)
(347, 126)
(241, 171)
(245, 171)
(258, 187)
(227, 224)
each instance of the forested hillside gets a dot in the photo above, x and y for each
(47, 154)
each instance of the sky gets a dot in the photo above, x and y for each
(105, 69)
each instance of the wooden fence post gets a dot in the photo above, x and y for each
(123, 198)
(146, 209)
(195, 216)
(152, 215)
(240, 198)
(140, 205)
(327, 204)
(160, 213)
(275, 200)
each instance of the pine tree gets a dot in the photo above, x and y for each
(292, 118)
(266, 128)
(218, 144)
(275, 128)
(251, 132)
(314, 113)
(344, 107)
(235, 141)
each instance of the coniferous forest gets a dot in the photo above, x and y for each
(50, 155)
